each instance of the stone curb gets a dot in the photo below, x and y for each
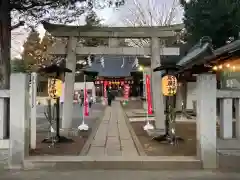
(89, 141)
(135, 139)
(112, 162)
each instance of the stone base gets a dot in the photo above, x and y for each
(72, 132)
(155, 132)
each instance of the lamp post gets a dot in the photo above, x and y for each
(56, 72)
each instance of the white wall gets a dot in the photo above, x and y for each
(191, 94)
(80, 85)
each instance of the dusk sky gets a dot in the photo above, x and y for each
(112, 17)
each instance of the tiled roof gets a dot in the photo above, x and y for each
(113, 66)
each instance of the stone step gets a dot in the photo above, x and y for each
(111, 162)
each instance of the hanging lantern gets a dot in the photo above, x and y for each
(54, 88)
(169, 85)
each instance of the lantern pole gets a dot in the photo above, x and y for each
(170, 116)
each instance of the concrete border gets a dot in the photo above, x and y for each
(64, 163)
(135, 139)
(4, 144)
(88, 143)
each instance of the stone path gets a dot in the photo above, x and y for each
(119, 175)
(113, 137)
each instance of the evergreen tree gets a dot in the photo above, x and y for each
(32, 53)
(218, 19)
(35, 50)
(91, 21)
(47, 41)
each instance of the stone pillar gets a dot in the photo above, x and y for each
(69, 83)
(156, 85)
(33, 122)
(94, 93)
(181, 97)
(206, 120)
(3, 119)
(19, 119)
(237, 111)
(226, 118)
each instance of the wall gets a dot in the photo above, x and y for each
(4, 144)
(80, 85)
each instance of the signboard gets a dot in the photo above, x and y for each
(148, 92)
(54, 88)
(169, 85)
(230, 80)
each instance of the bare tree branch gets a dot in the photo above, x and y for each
(149, 13)
(15, 26)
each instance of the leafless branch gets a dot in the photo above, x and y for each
(15, 26)
(149, 13)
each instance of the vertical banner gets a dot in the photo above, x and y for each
(105, 89)
(62, 95)
(86, 112)
(126, 91)
(149, 96)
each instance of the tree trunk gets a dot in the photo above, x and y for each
(5, 46)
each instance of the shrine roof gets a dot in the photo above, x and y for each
(114, 66)
(202, 56)
(215, 56)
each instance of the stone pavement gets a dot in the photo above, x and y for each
(113, 137)
(118, 175)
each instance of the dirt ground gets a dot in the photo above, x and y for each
(185, 130)
(60, 149)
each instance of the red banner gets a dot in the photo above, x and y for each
(126, 91)
(105, 89)
(86, 112)
(149, 96)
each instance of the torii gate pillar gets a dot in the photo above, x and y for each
(158, 104)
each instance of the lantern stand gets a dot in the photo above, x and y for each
(57, 70)
(170, 115)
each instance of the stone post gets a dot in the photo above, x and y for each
(156, 85)
(226, 117)
(33, 121)
(237, 111)
(3, 118)
(181, 97)
(206, 120)
(19, 120)
(69, 84)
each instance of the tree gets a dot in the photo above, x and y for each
(31, 53)
(149, 13)
(35, 50)
(30, 11)
(218, 19)
(92, 20)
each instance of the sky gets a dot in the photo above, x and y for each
(123, 16)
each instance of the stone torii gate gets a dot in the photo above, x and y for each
(74, 48)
